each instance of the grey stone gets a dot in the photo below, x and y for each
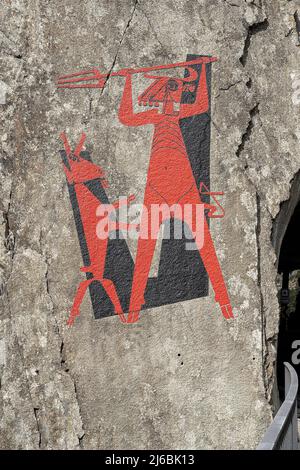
(101, 384)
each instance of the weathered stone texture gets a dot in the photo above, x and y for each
(101, 384)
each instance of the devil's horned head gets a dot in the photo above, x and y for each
(167, 90)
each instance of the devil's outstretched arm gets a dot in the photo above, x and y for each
(126, 113)
(201, 104)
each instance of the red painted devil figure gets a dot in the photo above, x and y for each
(170, 178)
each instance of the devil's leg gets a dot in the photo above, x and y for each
(145, 250)
(212, 266)
(78, 300)
(208, 255)
(144, 256)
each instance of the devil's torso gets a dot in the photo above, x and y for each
(170, 173)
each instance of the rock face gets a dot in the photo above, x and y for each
(182, 377)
